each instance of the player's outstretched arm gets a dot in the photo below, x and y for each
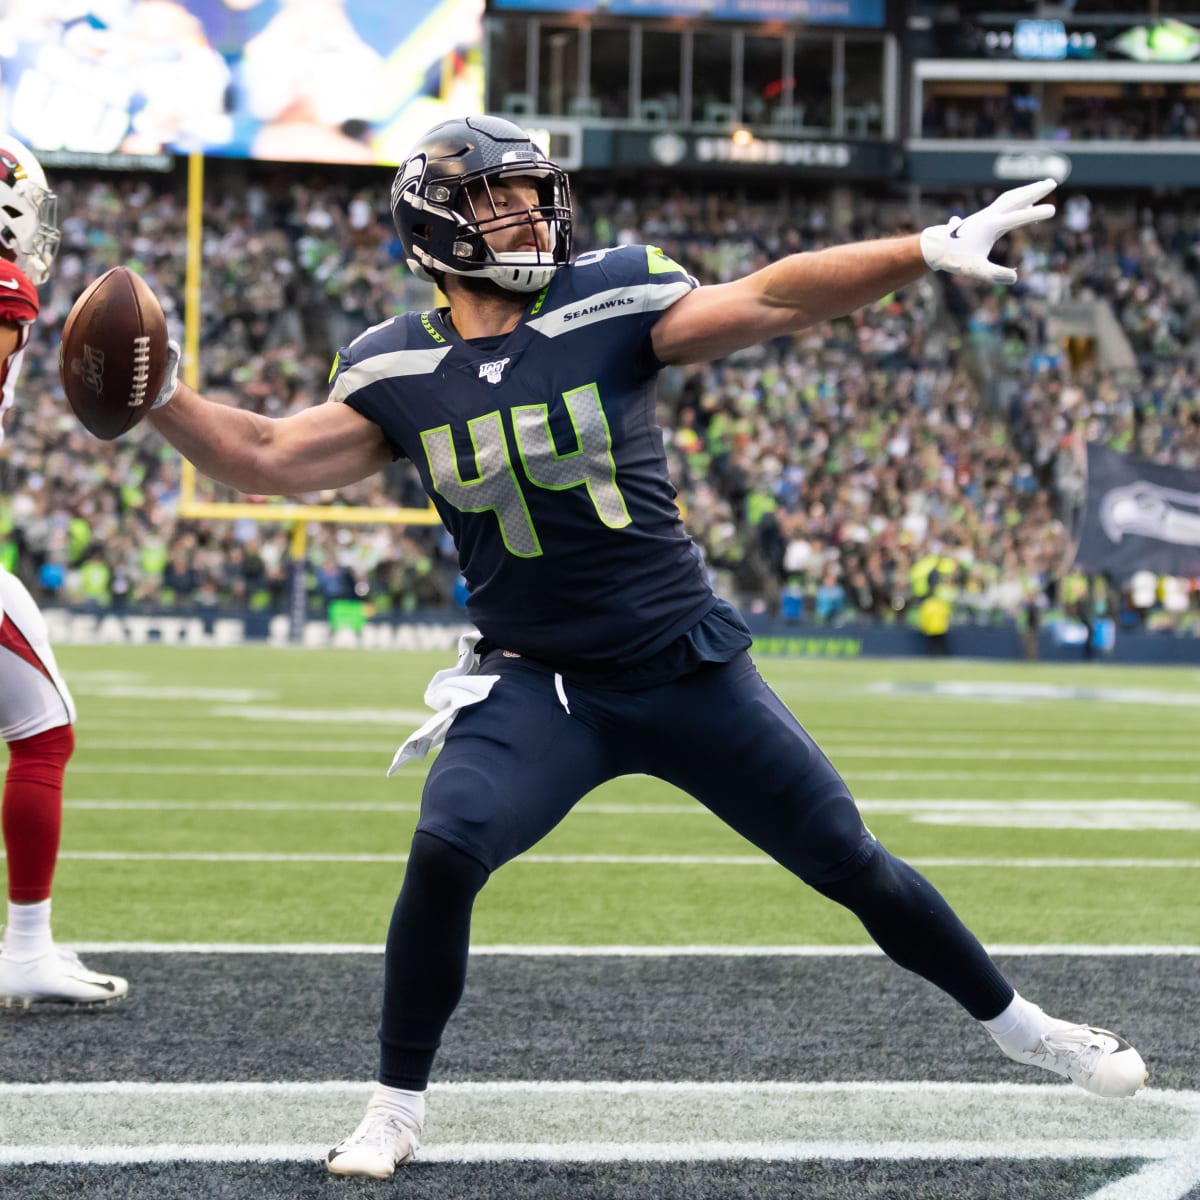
(327, 446)
(805, 289)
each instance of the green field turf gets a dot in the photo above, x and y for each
(992, 778)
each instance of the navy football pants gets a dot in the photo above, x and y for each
(515, 764)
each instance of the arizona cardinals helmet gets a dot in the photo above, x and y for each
(29, 234)
(433, 204)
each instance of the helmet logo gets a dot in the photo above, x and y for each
(492, 371)
(10, 169)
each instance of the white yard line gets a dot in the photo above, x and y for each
(1100, 814)
(999, 949)
(1076, 777)
(1172, 1178)
(201, 772)
(92, 745)
(685, 1121)
(635, 860)
(1019, 776)
(983, 752)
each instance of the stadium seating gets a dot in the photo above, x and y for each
(817, 473)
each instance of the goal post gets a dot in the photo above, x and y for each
(274, 510)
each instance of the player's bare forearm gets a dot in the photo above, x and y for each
(326, 446)
(220, 441)
(805, 289)
(786, 297)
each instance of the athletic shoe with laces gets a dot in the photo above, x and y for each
(1096, 1060)
(382, 1141)
(56, 978)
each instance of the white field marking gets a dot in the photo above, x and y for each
(93, 744)
(1110, 737)
(80, 675)
(138, 691)
(921, 752)
(85, 768)
(1129, 814)
(271, 806)
(1123, 732)
(1037, 691)
(500, 950)
(675, 1122)
(1166, 1179)
(1024, 754)
(686, 808)
(626, 860)
(1173, 1168)
(1108, 777)
(1187, 819)
(327, 716)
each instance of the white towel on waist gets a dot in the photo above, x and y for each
(449, 691)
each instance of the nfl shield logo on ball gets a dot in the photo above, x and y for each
(90, 368)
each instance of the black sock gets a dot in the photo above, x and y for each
(425, 965)
(915, 927)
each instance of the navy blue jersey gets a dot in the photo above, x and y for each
(542, 455)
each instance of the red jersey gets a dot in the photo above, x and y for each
(19, 308)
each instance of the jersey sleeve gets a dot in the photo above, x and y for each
(641, 282)
(347, 385)
(656, 279)
(18, 296)
(379, 369)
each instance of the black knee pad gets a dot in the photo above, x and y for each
(441, 869)
(868, 879)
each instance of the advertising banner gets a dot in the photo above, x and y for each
(1139, 516)
(823, 158)
(1085, 164)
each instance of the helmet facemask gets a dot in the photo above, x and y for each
(460, 212)
(29, 233)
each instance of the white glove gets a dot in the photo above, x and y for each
(964, 243)
(170, 378)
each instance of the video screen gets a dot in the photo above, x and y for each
(292, 80)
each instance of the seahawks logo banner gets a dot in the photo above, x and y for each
(1139, 516)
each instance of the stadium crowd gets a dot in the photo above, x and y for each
(1019, 114)
(929, 445)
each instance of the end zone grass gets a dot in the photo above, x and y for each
(189, 818)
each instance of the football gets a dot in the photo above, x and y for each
(113, 355)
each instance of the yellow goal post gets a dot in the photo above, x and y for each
(297, 516)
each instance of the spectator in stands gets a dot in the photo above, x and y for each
(809, 413)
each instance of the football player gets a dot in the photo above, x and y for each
(527, 407)
(37, 714)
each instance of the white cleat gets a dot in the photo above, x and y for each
(1094, 1059)
(382, 1141)
(56, 978)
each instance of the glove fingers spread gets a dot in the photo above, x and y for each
(1019, 197)
(1028, 216)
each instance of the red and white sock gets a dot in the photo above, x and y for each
(31, 816)
(27, 934)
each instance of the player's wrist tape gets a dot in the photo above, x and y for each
(170, 379)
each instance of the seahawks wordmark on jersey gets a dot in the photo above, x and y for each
(540, 450)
